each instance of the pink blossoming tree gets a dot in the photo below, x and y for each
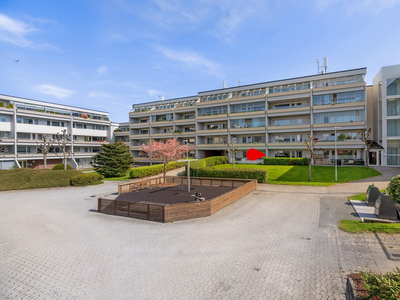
(166, 152)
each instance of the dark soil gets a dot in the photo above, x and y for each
(172, 195)
(362, 293)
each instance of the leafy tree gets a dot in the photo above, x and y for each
(166, 152)
(113, 160)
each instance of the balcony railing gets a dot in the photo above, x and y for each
(248, 125)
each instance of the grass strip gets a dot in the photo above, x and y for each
(353, 226)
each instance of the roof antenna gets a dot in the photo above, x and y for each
(322, 69)
(240, 81)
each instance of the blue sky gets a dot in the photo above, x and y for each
(107, 55)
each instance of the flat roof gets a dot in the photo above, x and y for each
(51, 103)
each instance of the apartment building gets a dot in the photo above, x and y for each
(121, 133)
(274, 117)
(24, 121)
(386, 117)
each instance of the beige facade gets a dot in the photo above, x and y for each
(273, 117)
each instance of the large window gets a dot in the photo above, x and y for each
(338, 81)
(339, 117)
(393, 153)
(393, 107)
(287, 138)
(340, 98)
(247, 107)
(218, 110)
(393, 87)
(286, 122)
(393, 127)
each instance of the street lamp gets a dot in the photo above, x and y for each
(336, 128)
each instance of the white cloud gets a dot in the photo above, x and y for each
(191, 60)
(101, 70)
(154, 92)
(49, 89)
(99, 95)
(15, 32)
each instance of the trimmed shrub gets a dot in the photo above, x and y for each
(152, 170)
(260, 175)
(1, 104)
(394, 189)
(10, 105)
(286, 161)
(87, 179)
(215, 160)
(198, 164)
(61, 167)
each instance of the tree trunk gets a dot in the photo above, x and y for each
(309, 170)
(45, 161)
(233, 162)
(367, 159)
(165, 172)
(65, 161)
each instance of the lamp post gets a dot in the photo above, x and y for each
(336, 128)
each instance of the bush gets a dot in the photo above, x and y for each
(215, 160)
(198, 164)
(286, 161)
(61, 167)
(382, 286)
(152, 170)
(10, 105)
(87, 179)
(1, 104)
(394, 189)
(260, 175)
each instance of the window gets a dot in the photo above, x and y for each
(48, 123)
(393, 127)
(19, 120)
(393, 107)
(393, 87)
(2, 119)
(36, 122)
(28, 121)
(56, 123)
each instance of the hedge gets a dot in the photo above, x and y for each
(152, 170)
(288, 161)
(215, 160)
(61, 167)
(394, 189)
(198, 164)
(87, 179)
(260, 175)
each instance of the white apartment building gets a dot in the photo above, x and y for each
(25, 120)
(386, 117)
(274, 117)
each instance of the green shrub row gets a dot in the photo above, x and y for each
(87, 179)
(260, 175)
(287, 161)
(152, 170)
(61, 167)
(209, 162)
(9, 105)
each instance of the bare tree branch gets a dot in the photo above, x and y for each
(311, 148)
(45, 144)
(365, 133)
(232, 149)
(63, 141)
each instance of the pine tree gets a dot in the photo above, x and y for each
(113, 160)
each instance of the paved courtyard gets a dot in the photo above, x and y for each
(276, 243)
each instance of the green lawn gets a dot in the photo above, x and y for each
(353, 226)
(361, 196)
(298, 175)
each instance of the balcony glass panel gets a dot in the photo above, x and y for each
(218, 110)
(257, 106)
(290, 87)
(339, 117)
(393, 107)
(393, 87)
(338, 81)
(393, 153)
(287, 138)
(287, 122)
(393, 127)
(255, 122)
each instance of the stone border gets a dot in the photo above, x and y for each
(351, 292)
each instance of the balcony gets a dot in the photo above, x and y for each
(140, 125)
(297, 145)
(138, 136)
(343, 126)
(223, 116)
(185, 121)
(213, 132)
(289, 128)
(211, 103)
(140, 113)
(247, 98)
(82, 154)
(211, 146)
(253, 114)
(89, 143)
(7, 155)
(161, 123)
(162, 135)
(333, 106)
(303, 110)
(251, 145)
(121, 133)
(342, 144)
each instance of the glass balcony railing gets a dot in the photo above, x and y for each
(288, 88)
(248, 125)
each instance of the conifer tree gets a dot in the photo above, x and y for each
(113, 160)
